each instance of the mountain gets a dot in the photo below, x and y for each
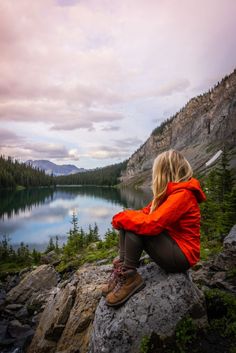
(49, 167)
(200, 130)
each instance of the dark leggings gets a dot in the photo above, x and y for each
(161, 248)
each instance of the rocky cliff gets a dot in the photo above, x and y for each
(204, 126)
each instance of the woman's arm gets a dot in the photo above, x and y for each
(167, 213)
(144, 210)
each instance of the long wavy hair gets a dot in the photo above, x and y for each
(168, 166)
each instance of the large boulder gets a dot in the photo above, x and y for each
(42, 278)
(66, 322)
(22, 305)
(164, 301)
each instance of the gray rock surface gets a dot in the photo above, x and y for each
(165, 299)
(219, 270)
(230, 239)
(43, 277)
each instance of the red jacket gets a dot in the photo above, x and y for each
(179, 214)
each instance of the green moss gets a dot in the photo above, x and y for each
(145, 344)
(210, 148)
(210, 248)
(10, 268)
(231, 273)
(221, 308)
(232, 350)
(185, 333)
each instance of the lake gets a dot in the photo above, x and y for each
(33, 216)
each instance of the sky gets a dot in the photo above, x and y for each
(85, 82)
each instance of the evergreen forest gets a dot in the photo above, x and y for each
(14, 174)
(106, 176)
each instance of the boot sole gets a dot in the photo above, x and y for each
(135, 290)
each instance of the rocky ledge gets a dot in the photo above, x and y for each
(42, 313)
(164, 301)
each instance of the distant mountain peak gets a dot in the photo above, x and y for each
(55, 169)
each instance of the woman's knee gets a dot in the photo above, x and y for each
(133, 237)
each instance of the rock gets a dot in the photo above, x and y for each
(215, 273)
(24, 272)
(2, 297)
(230, 240)
(12, 281)
(14, 306)
(7, 342)
(50, 258)
(3, 329)
(102, 262)
(36, 318)
(16, 329)
(68, 315)
(22, 313)
(158, 307)
(42, 278)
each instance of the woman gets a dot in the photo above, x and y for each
(168, 228)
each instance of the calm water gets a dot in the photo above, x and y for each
(35, 215)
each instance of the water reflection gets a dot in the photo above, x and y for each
(34, 215)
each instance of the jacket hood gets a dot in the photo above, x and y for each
(192, 184)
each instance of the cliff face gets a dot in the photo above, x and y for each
(204, 126)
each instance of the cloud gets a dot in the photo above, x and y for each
(121, 148)
(87, 120)
(111, 128)
(105, 152)
(8, 137)
(28, 150)
(92, 66)
(128, 142)
(178, 85)
(95, 212)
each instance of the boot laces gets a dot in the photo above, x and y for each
(121, 278)
(114, 273)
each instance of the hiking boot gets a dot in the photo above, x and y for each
(129, 281)
(112, 280)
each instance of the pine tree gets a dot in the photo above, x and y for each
(57, 250)
(50, 246)
(36, 256)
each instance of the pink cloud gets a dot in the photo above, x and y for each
(73, 64)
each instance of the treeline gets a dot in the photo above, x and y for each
(13, 174)
(108, 176)
(20, 257)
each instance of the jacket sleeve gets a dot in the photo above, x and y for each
(170, 211)
(116, 217)
(146, 209)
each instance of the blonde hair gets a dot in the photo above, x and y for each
(168, 166)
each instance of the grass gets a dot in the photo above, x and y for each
(86, 256)
(210, 248)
